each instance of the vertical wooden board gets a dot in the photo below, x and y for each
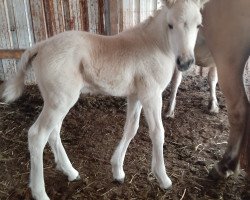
(49, 17)
(127, 14)
(148, 8)
(38, 20)
(29, 19)
(107, 24)
(8, 66)
(93, 15)
(74, 11)
(113, 17)
(1, 71)
(66, 14)
(24, 35)
(84, 15)
(101, 16)
(58, 15)
(22, 24)
(120, 16)
(143, 13)
(12, 24)
(136, 12)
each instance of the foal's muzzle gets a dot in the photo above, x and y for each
(184, 64)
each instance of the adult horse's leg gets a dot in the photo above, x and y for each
(213, 80)
(176, 81)
(130, 129)
(228, 39)
(230, 80)
(152, 107)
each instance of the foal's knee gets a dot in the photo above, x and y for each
(157, 135)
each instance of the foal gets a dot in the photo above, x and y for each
(137, 63)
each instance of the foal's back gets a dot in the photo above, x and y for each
(114, 65)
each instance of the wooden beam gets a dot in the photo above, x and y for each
(11, 53)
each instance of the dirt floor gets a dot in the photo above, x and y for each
(194, 141)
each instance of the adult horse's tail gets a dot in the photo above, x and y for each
(13, 88)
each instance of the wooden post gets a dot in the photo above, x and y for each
(7, 65)
(113, 17)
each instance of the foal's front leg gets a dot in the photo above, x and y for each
(152, 107)
(130, 129)
(176, 81)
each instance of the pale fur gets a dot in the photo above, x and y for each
(137, 64)
(226, 29)
(203, 58)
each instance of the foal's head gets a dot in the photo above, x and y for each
(183, 22)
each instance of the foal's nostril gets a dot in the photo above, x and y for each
(178, 61)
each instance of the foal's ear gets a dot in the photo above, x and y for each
(201, 3)
(168, 3)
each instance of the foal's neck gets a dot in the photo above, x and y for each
(155, 29)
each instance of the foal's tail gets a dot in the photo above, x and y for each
(13, 88)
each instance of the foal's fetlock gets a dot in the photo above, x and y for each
(213, 107)
(73, 175)
(163, 180)
(118, 176)
(170, 114)
(39, 194)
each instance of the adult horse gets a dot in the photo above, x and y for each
(227, 30)
(137, 63)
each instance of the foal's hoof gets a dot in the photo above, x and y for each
(119, 181)
(166, 187)
(170, 115)
(77, 178)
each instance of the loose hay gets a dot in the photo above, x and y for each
(194, 141)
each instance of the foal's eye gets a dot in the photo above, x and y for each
(199, 26)
(170, 26)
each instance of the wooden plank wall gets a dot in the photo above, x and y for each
(25, 22)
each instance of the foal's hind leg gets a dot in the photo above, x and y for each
(213, 80)
(37, 137)
(152, 107)
(51, 115)
(130, 129)
(61, 158)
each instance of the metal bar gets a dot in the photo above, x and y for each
(11, 53)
